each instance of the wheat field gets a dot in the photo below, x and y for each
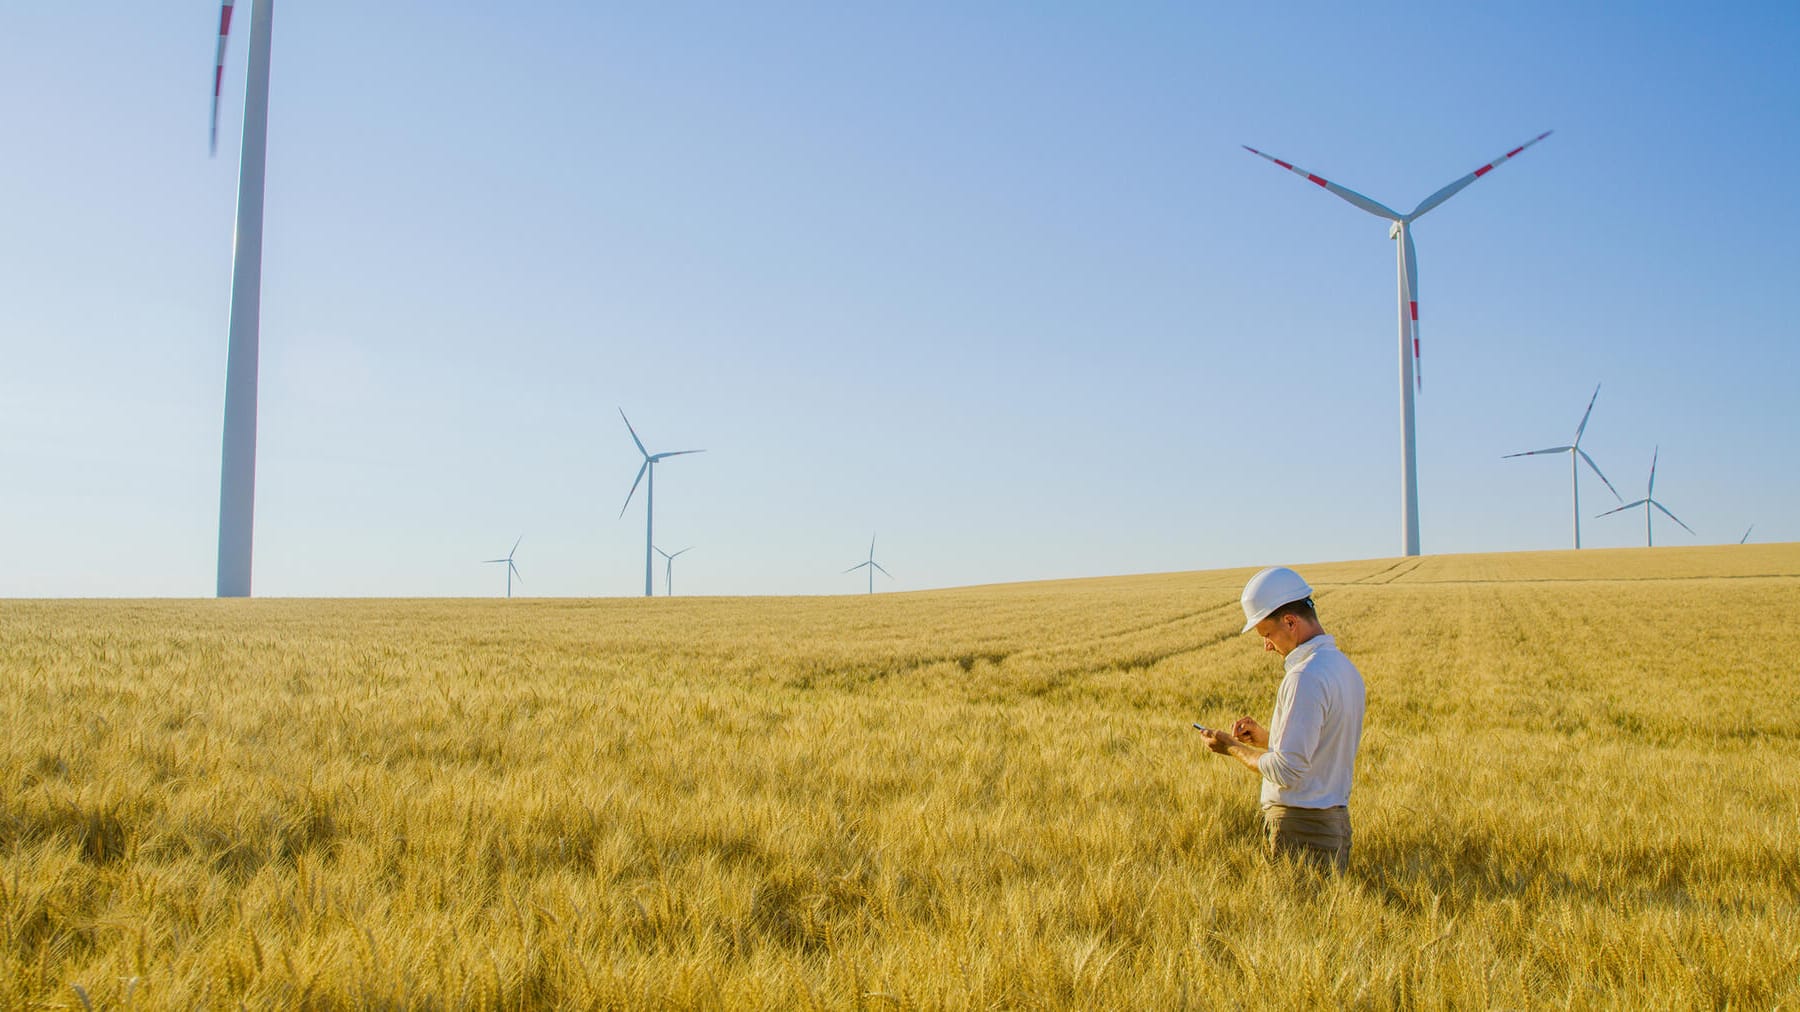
(1579, 787)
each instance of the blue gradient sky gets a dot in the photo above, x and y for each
(996, 281)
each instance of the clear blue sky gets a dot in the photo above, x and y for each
(996, 281)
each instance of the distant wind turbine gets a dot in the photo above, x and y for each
(1648, 501)
(1746, 536)
(237, 469)
(871, 565)
(1401, 232)
(511, 570)
(649, 466)
(1574, 450)
(669, 569)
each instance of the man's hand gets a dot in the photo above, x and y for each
(1218, 741)
(1226, 745)
(1248, 731)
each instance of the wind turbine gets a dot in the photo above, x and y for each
(1648, 501)
(1401, 232)
(237, 469)
(1575, 451)
(649, 465)
(872, 566)
(511, 570)
(669, 570)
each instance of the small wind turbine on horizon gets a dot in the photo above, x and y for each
(511, 570)
(1648, 501)
(1401, 231)
(1575, 451)
(669, 569)
(649, 466)
(871, 565)
(237, 469)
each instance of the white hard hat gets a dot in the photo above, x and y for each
(1269, 590)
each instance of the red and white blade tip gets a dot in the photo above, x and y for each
(1496, 163)
(1318, 180)
(219, 67)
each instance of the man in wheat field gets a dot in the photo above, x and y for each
(1307, 755)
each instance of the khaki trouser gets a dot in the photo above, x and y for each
(1316, 836)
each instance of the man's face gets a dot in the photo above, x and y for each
(1278, 634)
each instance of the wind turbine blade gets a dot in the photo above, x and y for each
(884, 572)
(871, 548)
(1650, 493)
(674, 453)
(856, 567)
(1450, 191)
(1412, 298)
(1596, 467)
(684, 551)
(634, 438)
(1375, 208)
(1579, 429)
(515, 571)
(1529, 453)
(515, 546)
(486, 561)
(1621, 509)
(662, 553)
(1746, 536)
(219, 71)
(645, 466)
(1672, 516)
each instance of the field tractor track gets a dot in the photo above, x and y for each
(1391, 573)
(1119, 634)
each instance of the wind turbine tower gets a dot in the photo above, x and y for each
(871, 566)
(1400, 230)
(1647, 502)
(649, 466)
(669, 569)
(511, 570)
(237, 471)
(1576, 456)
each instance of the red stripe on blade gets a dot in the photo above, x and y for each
(1415, 312)
(1315, 179)
(1515, 151)
(1284, 164)
(225, 21)
(1484, 170)
(218, 81)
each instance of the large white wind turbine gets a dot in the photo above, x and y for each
(871, 565)
(237, 469)
(1648, 501)
(669, 569)
(1401, 232)
(649, 465)
(511, 570)
(1575, 451)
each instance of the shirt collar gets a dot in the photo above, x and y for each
(1299, 654)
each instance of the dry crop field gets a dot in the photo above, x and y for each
(1579, 787)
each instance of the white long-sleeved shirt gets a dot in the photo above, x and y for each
(1315, 729)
